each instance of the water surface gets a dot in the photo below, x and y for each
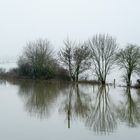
(40, 111)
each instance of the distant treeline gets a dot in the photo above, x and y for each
(99, 54)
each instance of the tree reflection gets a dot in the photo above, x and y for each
(95, 109)
(76, 104)
(2, 82)
(39, 97)
(129, 110)
(67, 104)
(102, 118)
(82, 103)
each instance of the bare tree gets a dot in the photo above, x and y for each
(76, 58)
(103, 48)
(66, 56)
(129, 60)
(81, 58)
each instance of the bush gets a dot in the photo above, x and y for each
(36, 60)
(2, 71)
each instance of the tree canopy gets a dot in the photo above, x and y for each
(128, 59)
(103, 48)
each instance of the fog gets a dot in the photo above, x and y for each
(24, 20)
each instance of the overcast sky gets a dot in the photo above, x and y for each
(24, 20)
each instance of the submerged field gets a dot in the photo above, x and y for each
(37, 110)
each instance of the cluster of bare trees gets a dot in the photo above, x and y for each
(100, 53)
(128, 59)
(103, 48)
(76, 58)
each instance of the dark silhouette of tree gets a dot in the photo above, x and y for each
(128, 59)
(36, 60)
(103, 49)
(81, 59)
(76, 58)
(66, 56)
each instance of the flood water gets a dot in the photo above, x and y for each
(41, 111)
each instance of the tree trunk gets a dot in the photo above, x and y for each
(103, 82)
(73, 78)
(77, 77)
(129, 80)
(77, 74)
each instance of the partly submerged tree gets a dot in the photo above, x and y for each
(103, 48)
(129, 60)
(81, 59)
(76, 58)
(66, 56)
(36, 60)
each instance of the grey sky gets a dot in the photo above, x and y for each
(24, 20)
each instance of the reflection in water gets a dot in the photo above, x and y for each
(129, 109)
(67, 104)
(76, 104)
(102, 118)
(39, 97)
(2, 82)
(92, 105)
(82, 103)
